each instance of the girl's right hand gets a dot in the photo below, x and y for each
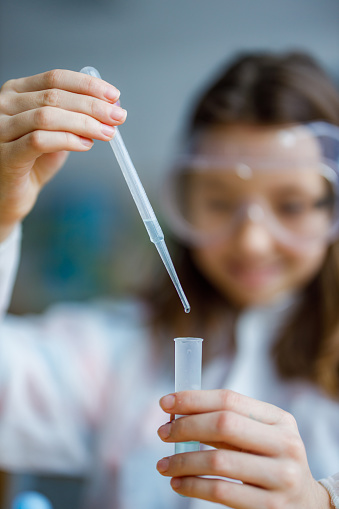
(42, 118)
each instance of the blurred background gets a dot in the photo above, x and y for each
(85, 238)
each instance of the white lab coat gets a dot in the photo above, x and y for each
(79, 391)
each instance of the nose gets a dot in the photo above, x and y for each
(251, 235)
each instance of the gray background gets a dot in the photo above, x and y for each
(84, 235)
(159, 54)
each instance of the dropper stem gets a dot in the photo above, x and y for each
(165, 256)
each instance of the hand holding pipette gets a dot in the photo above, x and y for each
(142, 202)
(43, 118)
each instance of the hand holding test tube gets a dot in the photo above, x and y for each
(188, 357)
(142, 202)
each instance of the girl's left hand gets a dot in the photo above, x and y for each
(255, 442)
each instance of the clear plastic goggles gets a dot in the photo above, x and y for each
(285, 178)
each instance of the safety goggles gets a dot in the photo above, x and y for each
(286, 179)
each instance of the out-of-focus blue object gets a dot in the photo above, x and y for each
(142, 202)
(31, 500)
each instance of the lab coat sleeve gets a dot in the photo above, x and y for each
(54, 371)
(9, 260)
(332, 486)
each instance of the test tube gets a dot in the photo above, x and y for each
(188, 357)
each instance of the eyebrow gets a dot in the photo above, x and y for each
(291, 189)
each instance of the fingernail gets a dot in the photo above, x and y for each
(86, 142)
(165, 430)
(175, 483)
(162, 465)
(118, 113)
(107, 130)
(112, 94)
(167, 402)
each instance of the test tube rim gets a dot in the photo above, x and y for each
(189, 339)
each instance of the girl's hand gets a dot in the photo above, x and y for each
(42, 117)
(256, 443)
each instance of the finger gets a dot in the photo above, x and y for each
(54, 119)
(248, 468)
(96, 108)
(231, 494)
(66, 80)
(192, 402)
(27, 148)
(224, 427)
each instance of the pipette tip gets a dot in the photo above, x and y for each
(187, 309)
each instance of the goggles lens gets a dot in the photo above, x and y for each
(295, 195)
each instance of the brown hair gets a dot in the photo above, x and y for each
(263, 89)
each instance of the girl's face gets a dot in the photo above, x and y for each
(253, 266)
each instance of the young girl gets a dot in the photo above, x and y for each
(254, 195)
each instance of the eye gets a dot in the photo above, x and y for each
(326, 202)
(292, 207)
(302, 206)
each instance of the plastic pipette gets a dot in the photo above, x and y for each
(142, 202)
(188, 357)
